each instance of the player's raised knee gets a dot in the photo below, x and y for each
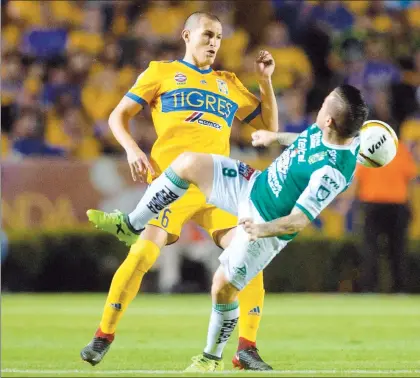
(185, 162)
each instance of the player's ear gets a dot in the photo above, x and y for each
(329, 122)
(185, 35)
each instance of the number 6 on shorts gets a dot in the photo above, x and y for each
(165, 220)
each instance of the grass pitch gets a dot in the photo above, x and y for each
(300, 335)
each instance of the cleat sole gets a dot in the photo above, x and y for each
(237, 365)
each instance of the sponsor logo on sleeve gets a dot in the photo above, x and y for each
(323, 193)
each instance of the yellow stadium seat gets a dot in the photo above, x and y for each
(358, 7)
(164, 21)
(27, 11)
(290, 60)
(55, 134)
(410, 129)
(11, 35)
(88, 42)
(413, 16)
(65, 10)
(382, 23)
(88, 149)
(126, 77)
(233, 49)
(5, 145)
(91, 97)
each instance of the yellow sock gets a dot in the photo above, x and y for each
(251, 302)
(126, 282)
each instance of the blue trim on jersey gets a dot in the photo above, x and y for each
(199, 100)
(136, 98)
(250, 117)
(195, 68)
(306, 212)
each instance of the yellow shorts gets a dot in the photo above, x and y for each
(192, 206)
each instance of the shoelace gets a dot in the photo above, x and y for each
(99, 344)
(203, 361)
(114, 213)
(254, 352)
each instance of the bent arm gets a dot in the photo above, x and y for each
(286, 139)
(269, 110)
(266, 138)
(295, 222)
(119, 122)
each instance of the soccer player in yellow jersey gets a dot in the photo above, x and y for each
(193, 108)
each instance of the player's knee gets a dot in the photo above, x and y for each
(145, 253)
(184, 163)
(225, 293)
(222, 290)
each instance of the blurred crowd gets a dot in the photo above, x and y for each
(66, 64)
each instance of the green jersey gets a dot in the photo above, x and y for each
(309, 174)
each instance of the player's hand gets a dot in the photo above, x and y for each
(251, 228)
(139, 164)
(263, 138)
(264, 65)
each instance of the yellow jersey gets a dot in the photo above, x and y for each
(192, 109)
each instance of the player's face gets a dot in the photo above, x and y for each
(204, 41)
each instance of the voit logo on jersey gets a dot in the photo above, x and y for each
(180, 78)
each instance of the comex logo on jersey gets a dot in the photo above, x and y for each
(196, 117)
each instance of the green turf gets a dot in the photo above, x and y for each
(300, 335)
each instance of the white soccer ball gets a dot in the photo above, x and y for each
(378, 144)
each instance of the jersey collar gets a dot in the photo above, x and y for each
(350, 146)
(195, 68)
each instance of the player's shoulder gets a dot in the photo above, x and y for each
(227, 75)
(338, 166)
(331, 175)
(161, 63)
(157, 69)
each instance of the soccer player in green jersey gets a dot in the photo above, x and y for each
(272, 206)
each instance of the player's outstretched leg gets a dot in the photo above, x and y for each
(188, 168)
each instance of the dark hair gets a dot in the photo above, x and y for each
(196, 16)
(351, 110)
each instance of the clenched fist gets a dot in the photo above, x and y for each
(263, 138)
(264, 65)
